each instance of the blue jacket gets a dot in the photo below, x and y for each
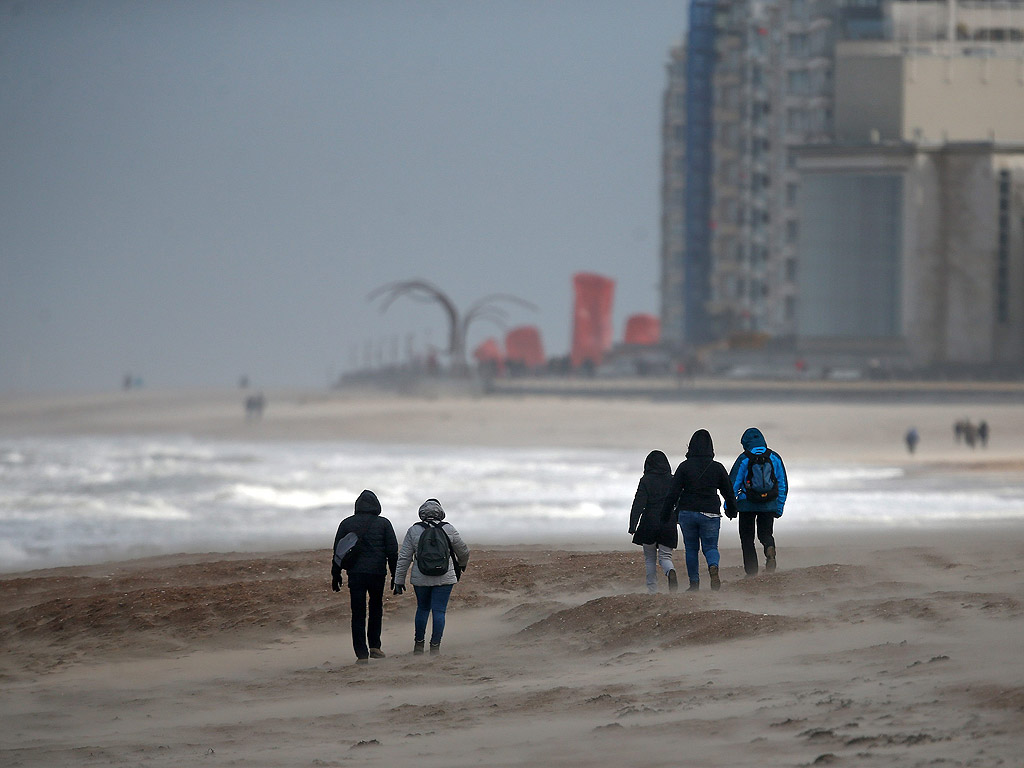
(754, 442)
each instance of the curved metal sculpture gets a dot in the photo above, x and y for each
(487, 308)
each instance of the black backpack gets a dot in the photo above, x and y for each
(760, 484)
(433, 550)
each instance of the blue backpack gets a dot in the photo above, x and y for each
(760, 483)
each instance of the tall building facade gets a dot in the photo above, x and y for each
(791, 76)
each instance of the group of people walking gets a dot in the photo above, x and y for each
(433, 554)
(754, 490)
(432, 557)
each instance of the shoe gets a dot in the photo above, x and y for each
(417, 646)
(362, 660)
(769, 559)
(673, 581)
(376, 653)
(435, 649)
(694, 586)
(716, 582)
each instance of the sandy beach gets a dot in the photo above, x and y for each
(897, 647)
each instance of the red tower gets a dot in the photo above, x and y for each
(643, 330)
(523, 345)
(592, 318)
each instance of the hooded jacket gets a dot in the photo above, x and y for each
(698, 481)
(378, 546)
(754, 442)
(645, 521)
(430, 512)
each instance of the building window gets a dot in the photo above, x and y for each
(791, 270)
(1003, 251)
(792, 231)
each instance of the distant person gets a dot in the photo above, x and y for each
(657, 536)
(693, 500)
(760, 483)
(912, 438)
(970, 434)
(376, 553)
(433, 571)
(983, 433)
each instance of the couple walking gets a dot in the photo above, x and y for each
(754, 489)
(433, 556)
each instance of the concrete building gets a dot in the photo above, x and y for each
(857, 149)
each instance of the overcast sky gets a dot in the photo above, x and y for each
(192, 191)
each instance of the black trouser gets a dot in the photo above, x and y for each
(361, 586)
(764, 521)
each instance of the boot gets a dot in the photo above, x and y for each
(417, 646)
(377, 653)
(673, 581)
(694, 586)
(769, 558)
(716, 582)
(435, 649)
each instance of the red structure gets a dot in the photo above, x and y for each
(490, 353)
(643, 330)
(523, 346)
(592, 318)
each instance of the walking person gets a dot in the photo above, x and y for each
(693, 499)
(374, 554)
(433, 555)
(759, 480)
(657, 536)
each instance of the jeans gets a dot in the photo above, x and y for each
(765, 523)
(431, 601)
(700, 532)
(653, 555)
(360, 587)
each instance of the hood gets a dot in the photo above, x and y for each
(700, 445)
(431, 510)
(367, 504)
(657, 464)
(753, 441)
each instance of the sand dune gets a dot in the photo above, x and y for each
(867, 655)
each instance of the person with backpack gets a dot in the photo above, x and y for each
(434, 556)
(367, 563)
(693, 500)
(759, 480)
(658, 537)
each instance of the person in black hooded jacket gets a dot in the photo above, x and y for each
(657, 536)
(377, 551)
(693, 499)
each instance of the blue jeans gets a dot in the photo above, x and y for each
(431, 601)
(700, 532)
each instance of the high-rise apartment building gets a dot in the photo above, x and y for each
(790, 76)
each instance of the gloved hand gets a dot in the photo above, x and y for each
(397, 588)
(336, 581)
(632, 531)
(731, 516)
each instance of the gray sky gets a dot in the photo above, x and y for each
(190, 191)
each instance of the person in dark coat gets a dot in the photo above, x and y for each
(377, 552)
(693, 500)
(754, 513)
(658, 537)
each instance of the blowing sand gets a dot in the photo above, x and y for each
(897, 648)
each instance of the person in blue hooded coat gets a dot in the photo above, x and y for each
(693, 500)
(759, 504)
(658, 537)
